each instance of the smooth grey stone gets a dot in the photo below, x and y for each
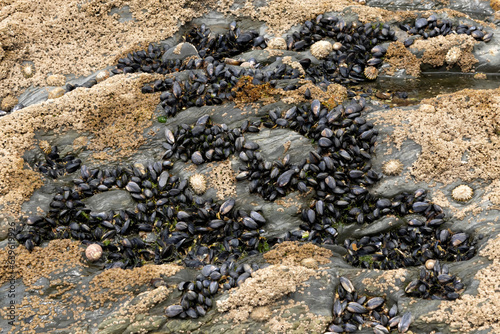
(110, 200)
(186, 50)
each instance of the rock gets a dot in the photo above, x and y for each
(56, 80)
(8, 102)
(56, 93)
(110, 200)
(181, 51)
(114, 325)
(146, 325)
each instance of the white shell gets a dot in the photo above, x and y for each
(462, 193)
(392, 167)
(93, 252)
(453, 55)
(321, 49)
(198, 183)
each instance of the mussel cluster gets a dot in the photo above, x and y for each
(351, 312)
(212, 77)
(183, 225)
(338, 170)
(432, 27)
(435, 283)
(55, 166)
(203, 142)
(197, 296)
(410, 245)
(223, 45)
(356, 47)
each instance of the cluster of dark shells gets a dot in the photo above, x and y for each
(352, 311)
(56, 166)
(183, 225)
(197, 296)
(203, 142)
(224, 45)
(433, 27)
(435, 283)
(411, 245)
(360, 48)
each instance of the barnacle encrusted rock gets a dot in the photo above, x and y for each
(277, 43)
(321, 49)
(392, 167)
(428, 108)
(198, 183)
(8, 102)
(462, 193)
(102, 75)
(56, 92)
(371, 72)
(56, 80)
(495, 4)
(453, 55)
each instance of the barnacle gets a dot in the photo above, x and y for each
(27, 69)
(277, 43)
(321, 49)
(371, 72)
(392, 167)
(453, 55)
(198, 183)
(462, 193)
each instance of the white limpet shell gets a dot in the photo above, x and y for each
(56, 93)
(309, 263)
(429, 264)
(462, 193)
(321, 49)
(246, 64)
(198, 183)
(392, 167)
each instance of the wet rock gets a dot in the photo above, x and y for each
(148, 324)
(110, 200)
(114, 325)
(180, 51)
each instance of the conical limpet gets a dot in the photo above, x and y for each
(371, 72)
(392, 167)
(27, 69)
(199, 183)
(321, 49)
(462, 193)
